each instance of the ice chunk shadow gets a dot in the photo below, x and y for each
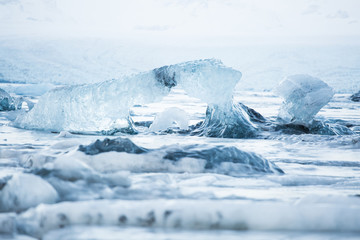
(108, 145)
(355, 97)
(216, 156)
(316, 127)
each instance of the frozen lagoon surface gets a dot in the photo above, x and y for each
(122, 195)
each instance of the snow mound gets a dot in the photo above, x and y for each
(303, 96)
(23, 191)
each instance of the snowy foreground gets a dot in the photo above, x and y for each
(182, 156)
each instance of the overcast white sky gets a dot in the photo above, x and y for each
(186, 18)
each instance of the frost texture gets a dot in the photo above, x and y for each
(105, 106)
(303, 96)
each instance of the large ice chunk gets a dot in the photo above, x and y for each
(105, 106)
(8, 103)
(303, 96)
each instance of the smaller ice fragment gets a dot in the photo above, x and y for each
(6, 101)
(170, 117)
(303, 96)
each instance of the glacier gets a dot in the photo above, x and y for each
(303, 96)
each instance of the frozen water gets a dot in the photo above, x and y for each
(303, 96)
(105, 106)
(326, 165)
(23, 191)
(97, 107)
(178, 186)
(170, 118)
(208, 80)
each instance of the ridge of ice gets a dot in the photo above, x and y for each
(219, 159)
(193, 214)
